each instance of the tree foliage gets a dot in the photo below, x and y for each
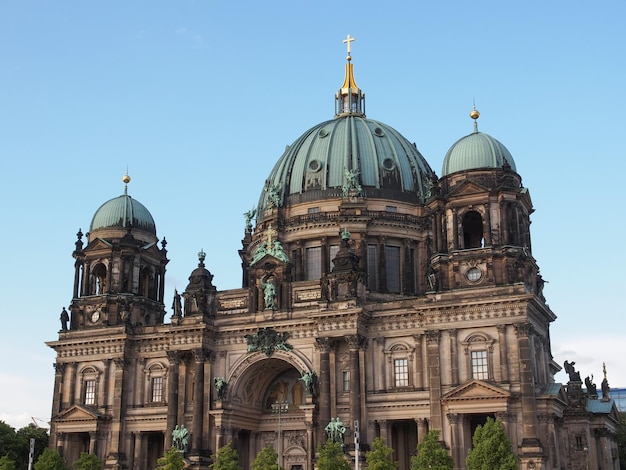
(331, 457)
(381, 456)
(267, 459)
(87, 461)
(50, 460)
(492, 448)
(16, 444)
(431, 455)
(171, 460)
(226, 458)
(6, 463)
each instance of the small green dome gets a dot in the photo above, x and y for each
(475, 151)
(123, 212)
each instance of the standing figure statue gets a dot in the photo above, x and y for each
(574, 376)
(249, 216)
(180, 438)
(177, 305)
(220, 387)
(65, 318)
(310, 382)
(335, 430)
(269, 293)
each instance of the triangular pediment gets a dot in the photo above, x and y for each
(467, 188)
(268, 259)
(476, 390)
(98, 244)
(78, 413)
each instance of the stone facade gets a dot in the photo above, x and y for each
(359, 303)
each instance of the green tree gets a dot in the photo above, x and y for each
(87, 461)
(331, 457)
(24, 435)
(6, 463)
(226, 458)
(267, 459)
(171, 460)
(431, 455)
(381, 456)
(50, 460)
(492, 448)
(9, 442)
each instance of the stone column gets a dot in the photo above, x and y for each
(422, 428)
(487, 226)
(117, 413)
(419, 362)
(199, 356)
(174, 359)
(456, 423)
(531, 445)
(454, 356)
(434, 377)
(57, 396)
(379, 375)
(74, 394)
(103, 391)
(504, 356)
(93, 436)
(324, 345)
(384, 430)
(355, 342)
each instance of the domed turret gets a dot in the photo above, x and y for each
(476, 151)
(123, 212)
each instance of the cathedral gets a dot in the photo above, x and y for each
(378, 299)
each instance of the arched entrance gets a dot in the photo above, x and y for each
(268, 405)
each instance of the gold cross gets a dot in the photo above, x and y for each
(270, 232)
(348, 40)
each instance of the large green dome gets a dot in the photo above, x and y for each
(314, 166)
(475, 151)
(123, 212)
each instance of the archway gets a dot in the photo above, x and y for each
(258, 384)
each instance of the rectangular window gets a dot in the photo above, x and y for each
(401, 372)
(346, 380)
(372, 266)
(391, 209)
(313, 263)
(392, 262)
(90, 392)
(313, 210)
(157, 389)
(480, 370)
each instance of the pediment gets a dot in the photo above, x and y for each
(268, 259)
(476, 390)
(467, 188)
(98, 244)
(78, 413)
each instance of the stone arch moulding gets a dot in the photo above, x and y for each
(241, 369)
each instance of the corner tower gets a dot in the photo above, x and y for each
(120, 274)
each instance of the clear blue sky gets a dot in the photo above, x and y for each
(199, 98)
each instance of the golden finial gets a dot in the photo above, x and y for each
(347, 41)
(474, 114)
(126, 179)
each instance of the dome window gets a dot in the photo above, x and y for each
(379, 132)
(388, 164)
(315, 165)
(322, 133)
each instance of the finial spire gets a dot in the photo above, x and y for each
(349, 100)
(126, 180)
(474, 114)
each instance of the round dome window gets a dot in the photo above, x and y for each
(388, 164)
(315, 165)
(474, 274)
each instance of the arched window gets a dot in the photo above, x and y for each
(89, 385)
(400, 359)
(99, 279)
(479, 351)
(156, 374)
(472, 230)
(145, 282)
